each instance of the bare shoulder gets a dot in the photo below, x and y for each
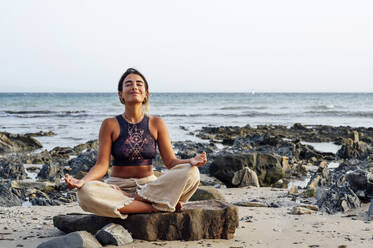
(156, 121)
(109, 123)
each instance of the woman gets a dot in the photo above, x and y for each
(131, 138)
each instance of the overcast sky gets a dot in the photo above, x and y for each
(187, 46)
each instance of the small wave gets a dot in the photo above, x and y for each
(323, 107)
(44, 112)
(244, 114)
(368, 114)
(242, 107)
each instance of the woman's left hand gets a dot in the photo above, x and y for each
(199, 160)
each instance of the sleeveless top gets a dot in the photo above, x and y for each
(135, 145)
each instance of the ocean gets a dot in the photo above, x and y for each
(76, 117)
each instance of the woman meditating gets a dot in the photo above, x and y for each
(131, 139)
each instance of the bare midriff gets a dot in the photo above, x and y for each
(138, 171)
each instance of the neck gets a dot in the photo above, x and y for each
(134, 114)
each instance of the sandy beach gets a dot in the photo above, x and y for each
(258, 227)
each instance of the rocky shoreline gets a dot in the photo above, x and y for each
(238, 157)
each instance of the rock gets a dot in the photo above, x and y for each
(113, 234)
(282, 184)
(293, 190)
(206, 180)
(80, 239)
(245, 177)
(301, 211)
(25, 184)
(92, 144)
(252, 204)
(17, 143)
(50, 171)
(309, 206)
(354, 150)
(198, 220)
(84, 162)
(224, 167)
(207, 193)
(61, 152)
(338, 198)
(8, 198)
(12, 171)
(266, 166)
(40, 133)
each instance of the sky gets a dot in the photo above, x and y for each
(187, 46)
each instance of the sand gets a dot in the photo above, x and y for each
(258, 227)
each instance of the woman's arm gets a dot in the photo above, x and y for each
(166, 151)
(103, 158)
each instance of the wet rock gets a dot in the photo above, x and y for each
(17, 143)
(81, 239)
(338, 199)
(12, 171)
(61, 152)
(113, 234)
(84, 162)
(92, 144)
(207, 193)
(50, 171)
(198, 220)
(8, 198)
(354, 150)
(25, 184)
(41, 133)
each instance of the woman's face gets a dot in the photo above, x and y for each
(134, 90)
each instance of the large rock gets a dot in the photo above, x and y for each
(8, 198)
(17, 143)
(73, 240)
(198, 220)
(84, 162)
(267, 167)
(50, 171)
(207, 193)
(113, 234)
(26, 184)
(12, 170)
(354, 150)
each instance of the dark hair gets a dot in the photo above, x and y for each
(131, 71)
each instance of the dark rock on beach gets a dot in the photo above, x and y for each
(267, 167)
(8, 198)
(17, 143)
(41, 133)
(84, 162)
(198, 220)
(80, 239)
(12, 171)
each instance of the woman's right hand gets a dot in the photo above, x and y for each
(73, 182)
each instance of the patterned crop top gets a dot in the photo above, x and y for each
(135, 145)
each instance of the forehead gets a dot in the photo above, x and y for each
(133, 77)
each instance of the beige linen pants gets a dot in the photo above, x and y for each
(177, 184)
